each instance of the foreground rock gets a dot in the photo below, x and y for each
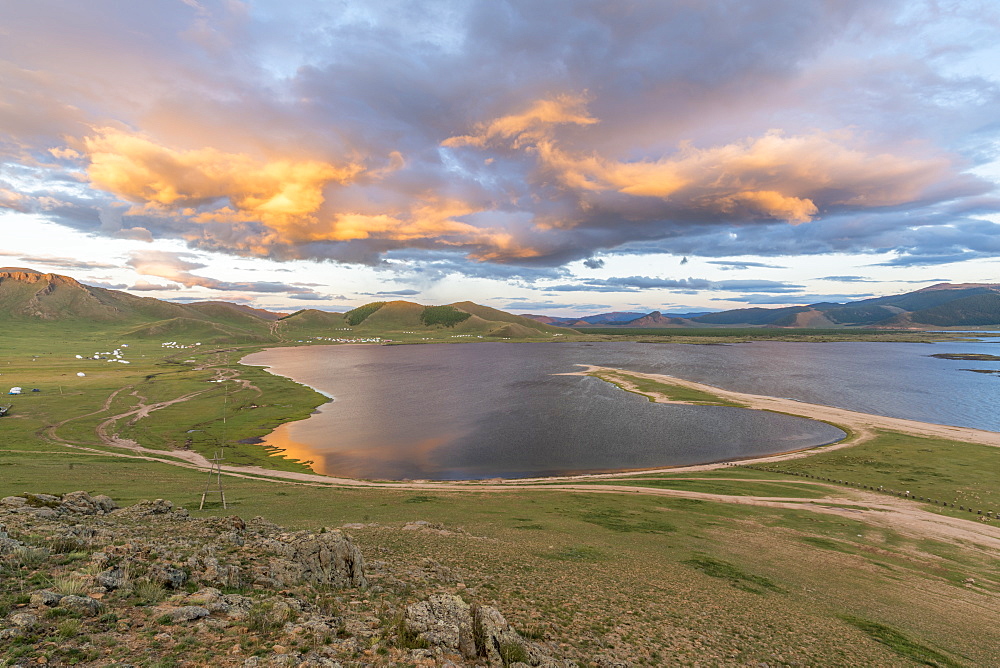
(150, 581)
(473, 631)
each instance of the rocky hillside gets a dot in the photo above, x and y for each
(90, 584)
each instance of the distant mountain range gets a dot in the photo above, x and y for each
(30, 298)
(941, 305)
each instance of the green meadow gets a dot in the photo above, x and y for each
(657, 580)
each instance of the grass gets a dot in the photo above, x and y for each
(650, 388)
(939, 469)
(901, 644)
(724, 570)
(586, 563)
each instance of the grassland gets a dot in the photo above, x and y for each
(650, 388)
(653, 580)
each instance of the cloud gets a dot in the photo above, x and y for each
(397, 293)
(760, 286)
(107, 286)
(58, 262)
(798, 299)
(508, 133)
(593, 263)
(638, 283)
(728, 265)
(525, 306)
(176, 267)
(848, 279)
(208, 185)
(145, 286)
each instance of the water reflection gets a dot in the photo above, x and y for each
(486, 410)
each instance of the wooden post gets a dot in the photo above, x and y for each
(217, 471)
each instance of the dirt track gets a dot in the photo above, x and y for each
(901, 515)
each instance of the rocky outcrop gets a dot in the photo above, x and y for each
(48, 505)
(150, 578)
(474, 631)
(320, 559)
(443, 621)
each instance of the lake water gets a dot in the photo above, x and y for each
(464, 411)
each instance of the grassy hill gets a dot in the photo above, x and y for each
(32, 300)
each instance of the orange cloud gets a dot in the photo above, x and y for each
(273, 192)
(773, 176)
(542, 115)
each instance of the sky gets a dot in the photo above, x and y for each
(565, 157)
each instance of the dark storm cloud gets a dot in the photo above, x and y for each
(510, 133)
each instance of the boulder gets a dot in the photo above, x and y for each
(7, 544)
(111, 579)
(23, 620)
(45, 598)
(187, 613)
(146, 508)
(443, 621)
(86, 606)
(83, 503)
(168, 576)
(320, 559)
(13, 501)
(500, 642)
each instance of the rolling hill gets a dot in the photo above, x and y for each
(33, 300)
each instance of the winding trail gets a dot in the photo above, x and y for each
(901, 515)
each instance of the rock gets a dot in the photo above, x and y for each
(85, 605)
(39, 500)
(320, 559)
(45, 598)
(111, 579)
(145, 508)
(42, 511)
(168, 576)
(13, 501)
(82, 503)
(236, 606)
(187, 613)
(498, 637)
(206, 596)
(78, 502)
(7, 544)
(23, 620)
(443, 621)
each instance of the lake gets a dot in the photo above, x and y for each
(482, 410)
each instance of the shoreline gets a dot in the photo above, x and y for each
(858, 426)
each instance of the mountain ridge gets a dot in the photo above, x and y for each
(31, 297)
(934, 306)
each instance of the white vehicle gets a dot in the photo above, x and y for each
(15, 390)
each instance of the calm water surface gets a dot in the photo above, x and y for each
(493, 409)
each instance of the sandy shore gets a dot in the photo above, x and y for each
(862, 425)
